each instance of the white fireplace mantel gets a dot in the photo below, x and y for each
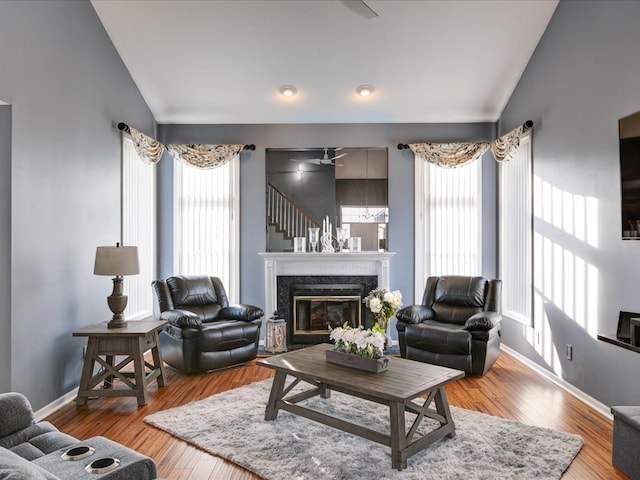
(312, 264)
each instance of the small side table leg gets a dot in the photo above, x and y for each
(271, 412)
(157, 360)
(139, 369)
(108, 382)
(87, 372)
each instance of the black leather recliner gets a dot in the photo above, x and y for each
(204, 331)
(457, 325)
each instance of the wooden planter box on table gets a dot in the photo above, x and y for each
(375, 365)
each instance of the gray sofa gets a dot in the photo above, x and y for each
(33, 450)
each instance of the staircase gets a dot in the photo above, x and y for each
(286, 216)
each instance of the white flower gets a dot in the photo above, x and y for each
(377, 340)
(388, 297)
(397, 298)
(349, 335)
(361, 341)
(375, 305)
(337, 334)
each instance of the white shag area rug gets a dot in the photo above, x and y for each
(231, 425)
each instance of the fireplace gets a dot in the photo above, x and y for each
(310, 304)
(313, 315)
(325, 276)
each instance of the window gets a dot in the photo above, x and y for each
(515, 242)
(206, 223)
(138, 228)
(448, 212)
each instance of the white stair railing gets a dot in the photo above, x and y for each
(287, 217)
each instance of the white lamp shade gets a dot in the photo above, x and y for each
(116, 261)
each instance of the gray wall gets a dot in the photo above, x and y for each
(252, 171)
(67, 87)
(583, 77)
(5, 247)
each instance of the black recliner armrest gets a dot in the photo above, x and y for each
(247, 313)
(483, 321)
(181, 318)
(414, 314)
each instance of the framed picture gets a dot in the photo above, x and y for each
(624, 325)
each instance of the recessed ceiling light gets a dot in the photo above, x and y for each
(288, 90)
(364, 90)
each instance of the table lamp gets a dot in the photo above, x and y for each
(117, 261)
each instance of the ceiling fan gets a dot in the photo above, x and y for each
(359, 7)
(325, 160)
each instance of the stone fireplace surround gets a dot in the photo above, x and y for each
(321, 285)
(362, 271)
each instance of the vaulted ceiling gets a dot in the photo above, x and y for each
(220, 61)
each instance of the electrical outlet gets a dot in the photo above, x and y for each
(569, 352)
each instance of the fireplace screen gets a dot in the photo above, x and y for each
(315, 314)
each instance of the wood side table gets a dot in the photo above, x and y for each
(132, 341)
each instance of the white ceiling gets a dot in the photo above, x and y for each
(223, 61)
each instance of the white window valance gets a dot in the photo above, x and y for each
(454, 155)
(505, 147)
(148, 149)
(449, 155)
(204, 156)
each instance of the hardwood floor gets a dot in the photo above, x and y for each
(509, 390)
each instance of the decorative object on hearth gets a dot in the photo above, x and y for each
(314, 233)
(275, 339)
(485, 446)
(116, 261)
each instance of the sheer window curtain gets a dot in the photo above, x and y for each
(516, 234)
(139, 228)
(206, 223)
(448, 209)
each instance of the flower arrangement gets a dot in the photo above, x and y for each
(357, 341)
(383, 303)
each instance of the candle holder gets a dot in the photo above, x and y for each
(341, 238)
(314, 234)
(327, 243)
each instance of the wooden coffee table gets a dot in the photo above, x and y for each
(396, 387)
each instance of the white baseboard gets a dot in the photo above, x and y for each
(598, 406)
(57, 404)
